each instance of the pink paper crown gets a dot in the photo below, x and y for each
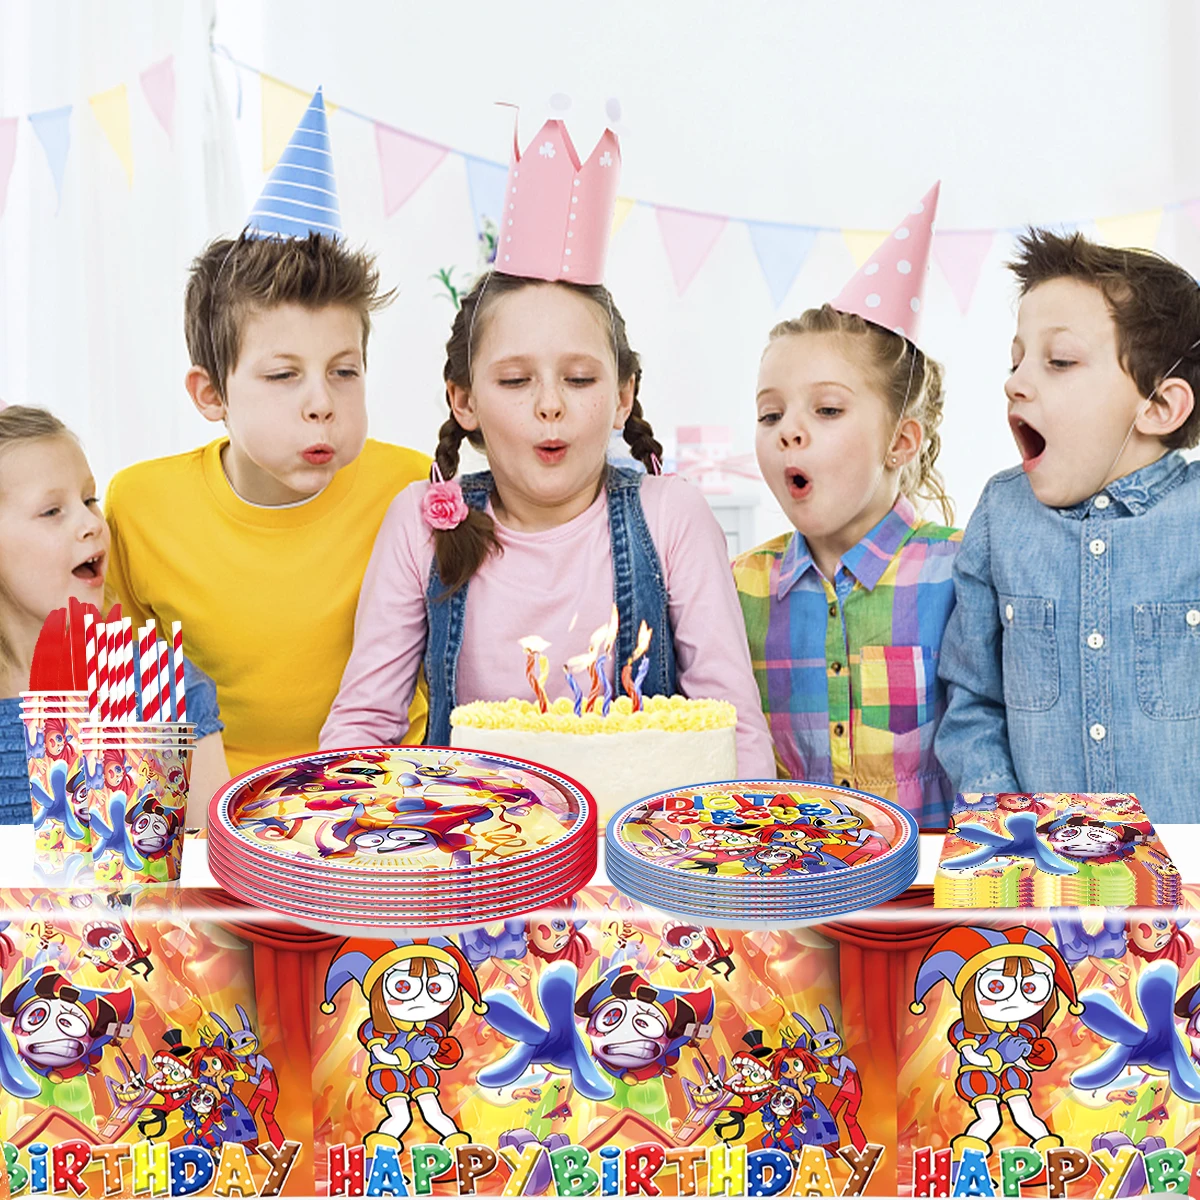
(559, 212)
(889, 289)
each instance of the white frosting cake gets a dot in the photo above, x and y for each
(672, 742)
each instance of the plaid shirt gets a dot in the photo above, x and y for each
(848, 671)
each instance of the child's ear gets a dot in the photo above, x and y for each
(462, 405)
(624, 402)
(1169, 407)
(906, 445)
(204, 394)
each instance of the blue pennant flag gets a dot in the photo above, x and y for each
(781, 251)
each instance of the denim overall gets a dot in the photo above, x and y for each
(639, 591)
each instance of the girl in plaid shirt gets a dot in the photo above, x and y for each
(845, 615)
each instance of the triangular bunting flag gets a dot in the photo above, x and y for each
(961, 257)
(862, 243)
(1192, 208)
(158, 85)
(781, 251)
(8, 154)
(1136, 231)
(112, 112)
(486, 182)
(53, 129)
(621, 209)
(688, 239)
(405, 162)
(282, 108)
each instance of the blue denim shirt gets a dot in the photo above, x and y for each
(639, 592)
(15, 804)
(1072, 657)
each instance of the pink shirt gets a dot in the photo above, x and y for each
(556, 583)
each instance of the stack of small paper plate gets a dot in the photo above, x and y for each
(395, 838)
(762, 852)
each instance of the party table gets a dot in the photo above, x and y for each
(175, 1040)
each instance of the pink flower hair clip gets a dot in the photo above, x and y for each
(443, 506)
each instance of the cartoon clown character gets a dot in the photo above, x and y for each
(152, 827)
(826, 1047)
(841, 834)
(633, 1032)
(408, 825)
(116, 772)
(1088, 839)
(691, 948)
(723, 849)
(113, 947)
(243, 1044)
(62, 1031)
(751, 1081)
(416, 992)
(1007, 984)
(203, 1117)
(171, 1079)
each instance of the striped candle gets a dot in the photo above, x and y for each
(177, 662)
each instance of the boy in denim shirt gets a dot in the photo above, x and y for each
(1072, 658)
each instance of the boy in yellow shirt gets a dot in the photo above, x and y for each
(258, 541)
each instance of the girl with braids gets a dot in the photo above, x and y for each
(845, 615)
(539, 372)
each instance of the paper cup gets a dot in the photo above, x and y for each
(58, 783)
(139, 810)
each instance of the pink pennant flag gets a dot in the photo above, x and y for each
(961, 257)
(688, 238)
(405, 163)
(8, 154)
(1192, 207)
(158, 83)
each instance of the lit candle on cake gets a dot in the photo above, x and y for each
(610, 635)
(633, 684)
(581, 662)
(537, 667)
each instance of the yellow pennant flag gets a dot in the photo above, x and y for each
(1136, 231)
(622, 209)
(862, 243)
(112, 112)
(282, 108)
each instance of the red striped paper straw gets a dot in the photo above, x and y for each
(102, 669)
(148, 670)
(127, 690)
(177, 661)
(89, 654)
(164, 680)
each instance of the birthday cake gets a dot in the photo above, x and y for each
(620, 756)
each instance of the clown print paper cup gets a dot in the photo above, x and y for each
(58, 784)
(139, 809)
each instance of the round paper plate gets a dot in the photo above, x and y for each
(416, 810)
(759, 906)
(334, 876)
(375, 917)
(720, 828)
(389, 898)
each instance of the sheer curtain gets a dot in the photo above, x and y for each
(91, 283)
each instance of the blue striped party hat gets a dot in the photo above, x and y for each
(300, 195)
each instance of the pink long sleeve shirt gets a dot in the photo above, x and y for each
(555, 583)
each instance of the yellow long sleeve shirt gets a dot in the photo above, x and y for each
(267, 596)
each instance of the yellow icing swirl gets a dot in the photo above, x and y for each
(675, 714)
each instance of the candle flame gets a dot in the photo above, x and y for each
(580, 662)
(643, 641)
(533, 644)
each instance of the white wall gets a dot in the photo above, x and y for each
(1043, 111)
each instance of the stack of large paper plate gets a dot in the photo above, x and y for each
(761, 852)
(402, 838)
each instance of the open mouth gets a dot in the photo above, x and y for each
(1030, 442)
(798, 484)
(91, 570)
(318, 455)
(552, 451)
